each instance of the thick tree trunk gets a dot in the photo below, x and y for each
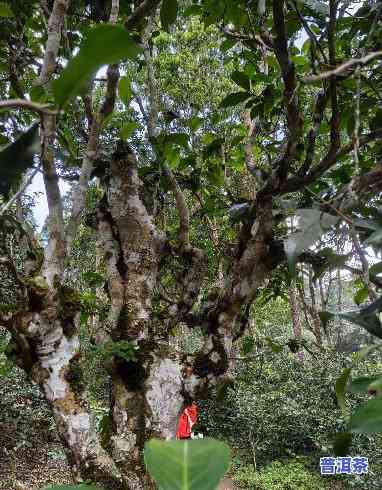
(46, 345)
(150, 409)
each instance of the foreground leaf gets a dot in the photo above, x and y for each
(368, 317)
(128, 129)
(187, 465)
(168, 13)
(318, 7)
(16, 158)
(361, 385)
(234, 99)
(5, 10)
(340, 389)
(342, 442)
(367, 419)
(241, 79)
(105, 44)
(124, 90)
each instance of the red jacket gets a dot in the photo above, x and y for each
(187, 419)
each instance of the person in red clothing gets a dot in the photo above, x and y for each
(189, 415)
(187, 420)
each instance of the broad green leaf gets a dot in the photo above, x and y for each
(38, 94)
(367, 317)
(274, 346)
(5, 10)
(312, 225)
(241, 79)
(180, 139)
(340, 389)
(104, 44)
(317, 6)
(168, 13)
(376, 122)
(187, 465)
(376, 269)
(192, 10)
(227, 44)
(16, 158)
(172, 156)
(361, 295)
(124, 90)
(375, 238)
(128, 129)
(361, 385)
(342, 442)
(375, 387)
(247, 345)
(92, 279)
(367, 418)
(234, 99)
(195, 123)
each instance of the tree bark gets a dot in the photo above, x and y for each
(45, 344)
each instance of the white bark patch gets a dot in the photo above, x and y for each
(164, 396)
(54, 359)
(122, 445)
(215, 357)
(78, 432)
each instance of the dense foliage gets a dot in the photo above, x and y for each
(219, 231)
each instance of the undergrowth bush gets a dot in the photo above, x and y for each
(279, 408)
(279, 476)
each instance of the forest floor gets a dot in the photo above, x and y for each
(31, 455)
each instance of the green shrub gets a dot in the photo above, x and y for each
(279, 476)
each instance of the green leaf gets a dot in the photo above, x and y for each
(318, 7)
(234, 99)
(340, 389)
(227, 44)
(361, 385)
(368, 317)
(168, 13)
(16, 158)
(361, 295)
(124, 90)
(367, 418)
(187, 465)
(376, 122)
(375, 238)
(342, 442)
(376, 269)
(103, 45)
(275, 347)
(193, 10)
(128, 129)
(195, 122)
(312, 225)
(375, 387)
(5, 10)
(247, 345)
(241, 79)
(92, 279)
